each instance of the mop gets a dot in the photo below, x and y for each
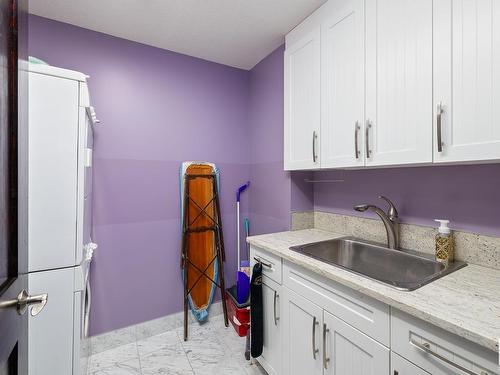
(242, 276)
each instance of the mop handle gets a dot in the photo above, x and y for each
(238, 232)
(240, 190)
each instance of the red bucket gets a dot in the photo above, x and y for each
(238, 314)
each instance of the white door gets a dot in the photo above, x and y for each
(53, 166)
(271, 354)
(302, 102)
(342, 86)
(302, 322)
(401, 366)
(398, 82)
(467, 80)
(349, 351)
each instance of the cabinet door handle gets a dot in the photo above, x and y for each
(439, 126)
(315, 351)
(276, 318)
(356, 131)
(367, 138)
(425, 347)
(315, 136)
(325, 358)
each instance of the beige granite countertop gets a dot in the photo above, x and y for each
(465, 302)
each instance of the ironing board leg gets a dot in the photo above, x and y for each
(185, 305)
(222, 289)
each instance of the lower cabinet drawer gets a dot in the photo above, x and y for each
(437, 351)
(271, 264)
(362, 312)
(400, 366)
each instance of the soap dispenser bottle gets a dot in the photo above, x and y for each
(444, 243)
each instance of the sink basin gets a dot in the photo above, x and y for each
(401, 269)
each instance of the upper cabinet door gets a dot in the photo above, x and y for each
(467, 80)
(302, 102)
(398, 82)
(342, 86)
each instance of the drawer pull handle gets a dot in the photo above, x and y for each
(268, 265)
(427, 349)
(276, 318)
(315, 351)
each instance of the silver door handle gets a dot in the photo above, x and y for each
(425, 347)
(315, 351)
(24, 300)
(356, 131)
(325, 358)
(367, 138)
(315, 136)
(276, 318)
(439, 112)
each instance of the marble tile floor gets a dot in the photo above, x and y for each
(211, 349)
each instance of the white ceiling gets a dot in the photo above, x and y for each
(238, 33)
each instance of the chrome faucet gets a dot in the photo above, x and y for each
(390, 220)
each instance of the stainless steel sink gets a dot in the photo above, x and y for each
(401, 269)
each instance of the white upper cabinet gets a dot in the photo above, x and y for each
(302, 102)
(398, 82)
(372, 83)
(342, 85)
(467, 80)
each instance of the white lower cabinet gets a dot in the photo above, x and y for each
(271, 353)
(315, 326)
(400, 366)
(317, 342)
(302, 324)
(437, 351)
(349, 351)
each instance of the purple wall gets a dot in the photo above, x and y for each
(157, 108)
(270, 192)
(468, 195)
(273, 192)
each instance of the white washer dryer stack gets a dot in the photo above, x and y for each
(61, 122)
